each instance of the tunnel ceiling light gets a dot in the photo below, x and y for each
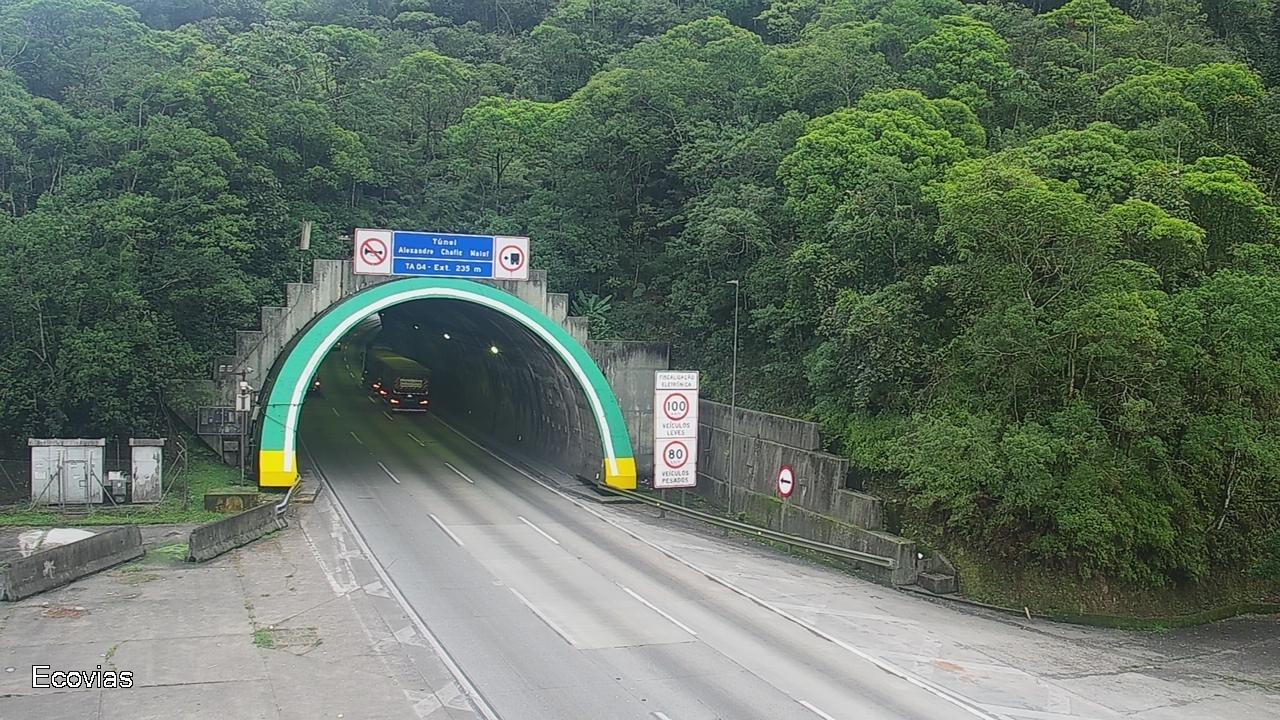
(493, 349)
(446, 336)
(415, 326)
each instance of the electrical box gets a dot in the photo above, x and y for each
(66, 470)
(147, 469)
(118, 486)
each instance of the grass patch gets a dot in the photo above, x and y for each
(177, 551)
(204, 472)
(263, 639)
(1098, 602)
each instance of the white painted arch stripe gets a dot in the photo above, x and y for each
(295, 399)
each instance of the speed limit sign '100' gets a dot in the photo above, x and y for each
(675, 413)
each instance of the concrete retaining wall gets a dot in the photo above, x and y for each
(763, 444)
(630, 366)
(820, 507)
(770, 512)
(60, 565)
(212, 539)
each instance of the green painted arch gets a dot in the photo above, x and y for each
(278, 428)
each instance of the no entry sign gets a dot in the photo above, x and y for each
(786, 481)
(675, 430)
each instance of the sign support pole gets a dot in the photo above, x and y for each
(733, 392)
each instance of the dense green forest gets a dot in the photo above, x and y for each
(1021, 260)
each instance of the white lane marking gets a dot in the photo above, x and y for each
(335, 411)
(538, 529)
(550, 623)
(660, 716)
(460, 473)
(371, 399)
(353, 375)
(815, 710)
(357, 437)
(384, 412)
(655, 608)
(415, 439)
(446, 530)
(960, 701)
(388, 472)
(464, 682)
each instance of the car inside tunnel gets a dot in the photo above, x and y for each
(489, 377)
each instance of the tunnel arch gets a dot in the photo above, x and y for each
(278, 426)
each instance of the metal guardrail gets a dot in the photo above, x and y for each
(283, 505)
(766, 533)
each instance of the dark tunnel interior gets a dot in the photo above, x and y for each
(496, 381)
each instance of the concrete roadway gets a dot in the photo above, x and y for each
(554, 615)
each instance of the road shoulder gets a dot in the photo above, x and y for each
(296, 625)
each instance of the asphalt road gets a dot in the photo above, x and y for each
(554, 615)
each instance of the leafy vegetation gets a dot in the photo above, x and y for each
(1021, 260)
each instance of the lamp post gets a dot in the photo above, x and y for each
(243, 406)
(733, 392)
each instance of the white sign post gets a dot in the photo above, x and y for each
(675, 430)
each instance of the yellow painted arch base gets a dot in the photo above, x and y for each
(271, 472)
(625, 478)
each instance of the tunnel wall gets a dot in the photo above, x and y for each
(630, 366)
(522, 399)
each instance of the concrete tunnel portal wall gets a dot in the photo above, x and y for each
(540, 354)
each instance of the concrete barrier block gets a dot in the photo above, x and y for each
(937, 583)
(858, 509)
(212, 539)
(60, 565)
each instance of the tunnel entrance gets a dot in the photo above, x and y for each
(502, 369)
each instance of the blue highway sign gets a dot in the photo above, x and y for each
(434, 254)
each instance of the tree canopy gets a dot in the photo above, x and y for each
(1022, 260)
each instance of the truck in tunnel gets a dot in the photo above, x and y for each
(402, 382)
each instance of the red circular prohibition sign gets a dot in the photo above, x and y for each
(373, 247)
(666, 459)
(666, 407)
(502, 258)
